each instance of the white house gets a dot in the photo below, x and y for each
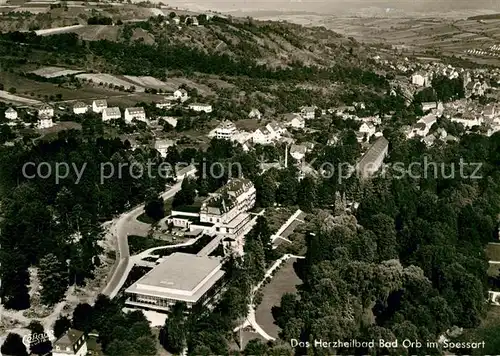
(171, 120)
(45, 122)
(225, 131)
(421, 79)
(162, 146)
(80, 108)
(419, 129)
(297, 122)
(46, 111)
(368, 129)
(135, 114)
(11, 114)
(181, 94)
(468, 121)
(99, 105)
(164, 104)
(112, 113)
(255, 114)
(276, 130)
(298, 152)
(262, 136)
(73, 342)
(308, 112)
(200, 107)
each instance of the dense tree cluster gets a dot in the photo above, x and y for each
(56, 224)
(411, 263)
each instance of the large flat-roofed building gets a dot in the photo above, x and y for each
(181, 277)
(373, 158)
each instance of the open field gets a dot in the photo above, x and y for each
(15, 99)
(285, 281)
(108, 79)
(54, 72)
(150, 82)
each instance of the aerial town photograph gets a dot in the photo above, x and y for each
(249, 177)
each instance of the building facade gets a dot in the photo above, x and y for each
(73, 342)
(181, 277)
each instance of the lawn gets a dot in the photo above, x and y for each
(284, 281)
(278, 216)
(493, 252)
(138, 244)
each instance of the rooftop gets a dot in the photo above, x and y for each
(100, 103)
(373, 152)
(181, 276)
(113, 111)
(135, 111)
(69, 338)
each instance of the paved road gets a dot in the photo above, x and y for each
(120, 231)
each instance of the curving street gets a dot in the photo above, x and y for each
(120, 229)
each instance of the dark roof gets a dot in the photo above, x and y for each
(70, 338)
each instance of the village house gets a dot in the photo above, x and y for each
(11, 114)
(308, 112)
(255, 114)
(73, 342)
(468, 120)
(422, 126)
(298, 152)
(164, 104)
(367, 129)
(99, 105)
(172, 121)
(112, 113)
(489, 111)
(45, 111)
(45, 122)
(295, 120)
(421, 79)
(432, 105)
(200, 107)
(181, 94)
(276, 130)
(80, 108)
(136, 113)
(262, 136)
(162, 146)
(225, 131)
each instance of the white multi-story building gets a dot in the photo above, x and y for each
(225, 131)
(162, 146)
(11, 114)
(45, 123)
(73, 342)
(112, 113)
(201, 107)
(80, 108)
(468, 121)
(421, 79)
(135, 114)
(308, 112)
(276, 130)
(262, 136)
(181, 94)
(98, 106)
(368, 129)
(45, 111)
(181, 277)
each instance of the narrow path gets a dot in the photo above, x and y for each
(286, 224)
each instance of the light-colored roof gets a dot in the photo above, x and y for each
(113, 111)
(10, 110)
(298, 149)
(428, 119)
(199, 104)
(180, 277)
(264, 130)
(80, 105)
(100, 103)
(227, 125)
(373, 152)
(163, 143)
(135, 111)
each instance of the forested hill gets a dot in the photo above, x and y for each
(276, 45)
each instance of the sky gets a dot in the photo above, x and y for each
(332, 7)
